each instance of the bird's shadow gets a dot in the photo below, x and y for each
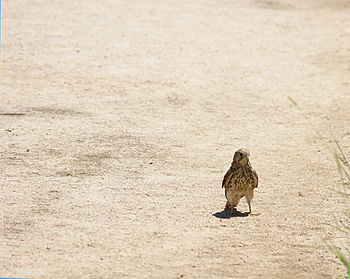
(226, 214)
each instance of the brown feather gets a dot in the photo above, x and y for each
(226, 178)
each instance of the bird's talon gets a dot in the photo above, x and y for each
(253, 214)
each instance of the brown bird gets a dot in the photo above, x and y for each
(240, 181)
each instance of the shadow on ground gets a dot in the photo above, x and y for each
(225, 214)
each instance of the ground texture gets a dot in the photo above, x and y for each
(119, 119)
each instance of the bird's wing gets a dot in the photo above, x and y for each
(255, 178)
(227, 178)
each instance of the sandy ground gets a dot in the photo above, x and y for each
(119, 119)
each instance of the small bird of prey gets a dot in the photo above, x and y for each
(240, 181)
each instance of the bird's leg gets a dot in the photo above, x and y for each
(230, 207)
(250, 209)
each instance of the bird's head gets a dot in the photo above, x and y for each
(241, 157)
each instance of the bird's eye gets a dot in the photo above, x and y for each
(241, 154)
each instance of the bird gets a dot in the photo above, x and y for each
(240, 181)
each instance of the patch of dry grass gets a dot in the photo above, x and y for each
(343, 165)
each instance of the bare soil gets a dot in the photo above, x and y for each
(119, 119)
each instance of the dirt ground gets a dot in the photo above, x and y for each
(119, 119)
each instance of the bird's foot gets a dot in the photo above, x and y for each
(233, 210)
(253, 213)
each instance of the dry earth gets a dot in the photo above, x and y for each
(118, 120)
